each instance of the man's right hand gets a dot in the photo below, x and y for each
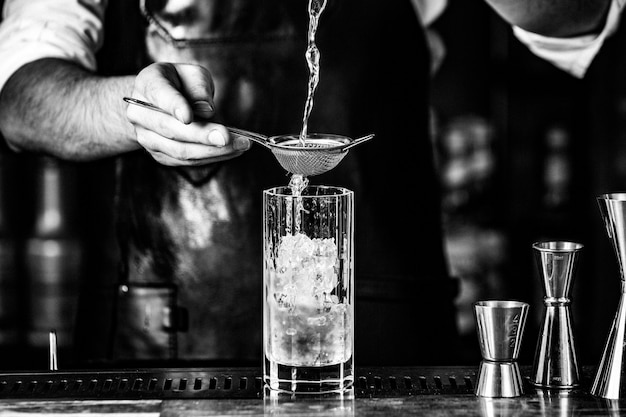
(185, 136)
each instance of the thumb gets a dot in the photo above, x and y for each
(197, 86)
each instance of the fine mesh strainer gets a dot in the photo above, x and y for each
(319, 153)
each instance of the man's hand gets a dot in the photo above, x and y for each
(184, 136)
(56, 107)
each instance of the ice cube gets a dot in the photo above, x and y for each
(316, 320)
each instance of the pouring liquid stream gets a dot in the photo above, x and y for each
(316, 7)
(298, 182)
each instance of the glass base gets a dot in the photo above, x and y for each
(287, 379)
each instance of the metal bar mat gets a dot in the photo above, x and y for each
(206, 383)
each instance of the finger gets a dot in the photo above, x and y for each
(164, 125)
(197, 85)
(183, 151)
(161, 85)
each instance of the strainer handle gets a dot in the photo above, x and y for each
(256, 137)
(253, 136)
(357, 141)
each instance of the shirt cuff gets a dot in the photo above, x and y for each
(573, 55)
(31, 32)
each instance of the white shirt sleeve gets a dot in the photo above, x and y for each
(35, 29)
(573, 55)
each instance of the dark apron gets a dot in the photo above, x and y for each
(190, 239)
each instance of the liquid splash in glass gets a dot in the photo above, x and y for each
(297, 184)
(316, 7)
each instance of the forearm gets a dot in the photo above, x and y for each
(555, 18)
(58, 108)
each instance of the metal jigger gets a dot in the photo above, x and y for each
(609, 378)
(500, 326)
(556, 365)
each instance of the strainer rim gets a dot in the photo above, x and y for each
(338, 147)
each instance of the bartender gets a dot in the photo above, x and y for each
(188, 198)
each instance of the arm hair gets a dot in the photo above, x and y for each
(56, 107)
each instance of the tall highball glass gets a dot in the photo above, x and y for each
(308, 279)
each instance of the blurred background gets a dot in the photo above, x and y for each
(522, 149)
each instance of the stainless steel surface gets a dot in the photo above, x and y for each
(609, 381)
(253, 136)
(556, 363)
(141, 103)
(499, 380)
(372, 401)
(210, 383)
(319, 154)
(53, 364)
(500, 327)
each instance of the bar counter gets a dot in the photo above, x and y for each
(394, 391)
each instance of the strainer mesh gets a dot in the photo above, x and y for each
(307, 162)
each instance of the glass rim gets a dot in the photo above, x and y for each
(619, 196)
(557, 246)
(279, 191)
(500, 304)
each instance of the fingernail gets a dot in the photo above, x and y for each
(178, 113)
(202, 106)
(216, 138)
(241, 144)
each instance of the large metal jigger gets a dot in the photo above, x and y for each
(609, 381)
(556, 365)
(500, 326)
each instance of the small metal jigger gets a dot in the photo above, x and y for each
(500, 326)
(556, 365)
(609, 381)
